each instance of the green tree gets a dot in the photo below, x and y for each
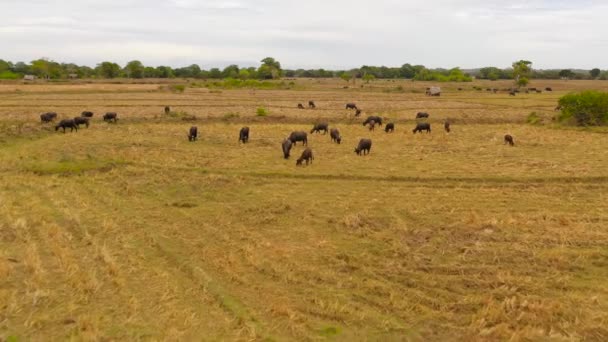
(522, 81)
(269, 69)
(522, 69)
(244, 74)
(164, 72)
(215, 73)
(108, 70)
(5, 66)
(588, 108)
(150, 72)
(231, 71)
(595, 73)
(134, 69)
(346, 76)
(368, 77)
(566, 73)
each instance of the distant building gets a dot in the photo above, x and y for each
(29, 77)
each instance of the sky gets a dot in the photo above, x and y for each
(331, 34)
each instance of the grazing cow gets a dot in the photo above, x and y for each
(539, 91)
(48, 117)
(351, 105)
(193, 133)
(320, 127)
(110, 116)
(488, 89)
(358, 112)
(299, 136)
(531, 89)
(512, 93)
(67, 123)
(365, 145)
(167, 110)
(509, 140)
(244, 135)
(311, 104)
(446, 125)
(300, 106)
(86, 114)
(494, 90)
(390, 127)
(81, 121)
(306, 155)
(372, 125)
(549, 89)
(376, 119)
(421, 115)
(425, 126)
(335, 135)
(459, 89)
(286, 146)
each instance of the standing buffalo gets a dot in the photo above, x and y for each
(48, 117)
(425, 126)
(511, 93)
(244, 135)
(67, 123)
(286, 146)
(335, 135)
(300, 106)
(167, 110)
(365, 145)
(320, 127)
(422, 115)
(509, 140)
(446, 125)
(372, 125)
(390, 127)
(306, 155)
(193, 133)
(358, 112)
(549, 89)
(110, 116)
(351, 105)
(299, 136)
(81, 121)
(86, 114)
(376, 119)
(311, 104)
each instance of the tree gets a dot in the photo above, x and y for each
(346, 76)
(244, 74)
(108, 70)
(164, 72)
(215, 73)
(5, 66)
(522, 81)
(269, 69)
(566, 73)
(595, 73)
(134, 69)
(522, 69)
(368, 77)
(231, 71)
(150, 72)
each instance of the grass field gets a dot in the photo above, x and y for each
(127, 231)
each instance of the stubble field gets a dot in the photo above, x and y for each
(128, 231)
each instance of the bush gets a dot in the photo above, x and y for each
(262, 111)
(588, 108)
(8, 75)
(533, 119)
(177, 88)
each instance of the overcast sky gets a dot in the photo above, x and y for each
(331, 34)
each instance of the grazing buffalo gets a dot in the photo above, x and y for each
(372, 125)
(376, 119)
(365, 145)
(306, 155)
(167, 110)
(335, 135)
(86, 114)
(549, 89)
(320, 127)
(358, 112)
(300, 106)
(509, 140)
(351, 105)
(512, 93)
(81, 121)
(422, 115)
(446, 125)
(67, 123)
(193, 133)
(244, 135)
(299, 136)
(459, 89)
(425, 126)
(48, 117)
(539, 91)
(286, 146)
(110, 116)
(311, 104)
(531, 89)
(390, 127)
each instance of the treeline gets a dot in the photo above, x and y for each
(271, 69)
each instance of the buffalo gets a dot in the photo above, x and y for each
(376, 119)
(358, 112)
(512, 93)
(446, 125)
(509, 140)
(48, 117)
(193, 133)
(244, 135)
(311, 104)
(351, 105)
(372, 125)
(86, 114)
(67, 123)
(306, 155)
(299, 136)
(548, 89)
(110, 116)
(335, 135)
(425, 126)
(300, 106)
(390, 127)
(539, 91)
(286, 146)
(422, 115)
(365, 145)
(81, 121)
(558, 108)
(167, 110)
(319, 127)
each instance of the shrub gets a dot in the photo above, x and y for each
(177, 88)
(533, 119)
(262, 111)
(588, 108)
(8, 75)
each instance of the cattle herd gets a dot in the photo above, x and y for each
(363, 147)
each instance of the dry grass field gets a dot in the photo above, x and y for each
(128, 231)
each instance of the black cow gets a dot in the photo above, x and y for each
(299, 136)
(48, 117)
(306, 155)
(286, 146)
(167, 110)
(376, 119)
(372, 125)
(300, 106)
(311, 104)
(358, 112)
(365, 145)
(86, 114)
(110, 116)
(549, 89)
(351, 105)
(531, 89)
(446, 125)
(425, 126)
(422, 115)
(244, 135)
(81, 121)
(335, 135)
(512, 93)
(390, 127)
(509, 140)
(539, 91)
(320, 127)
(67, 123)
(193, 133)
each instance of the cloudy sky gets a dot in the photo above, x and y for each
(309, 33)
